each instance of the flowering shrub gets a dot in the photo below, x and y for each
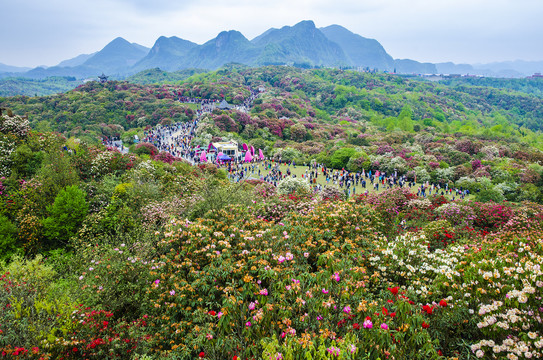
(291, 185)
(489, 216)
(265, 190)
(7, 146)
(31, 311)
(258, 247)
(505, 288)
(438, 234)
(456, 214)
(15, 125)
(331, 193)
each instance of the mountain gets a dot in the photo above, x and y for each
(12, 69)
(76, 61)
(80, 72)
(407, 66)
(512, 68)
(116, 57)
(451, 68)
(227, 47)
(167, 54)
(302, 43)
(361, 51)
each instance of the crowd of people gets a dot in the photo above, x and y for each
(176, 139)
(318, 176)
(114, 142)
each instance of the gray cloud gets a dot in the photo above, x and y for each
(34, 32)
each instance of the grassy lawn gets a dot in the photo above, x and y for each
(192, 106)
(300, 170)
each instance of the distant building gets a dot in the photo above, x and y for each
(103, 78)
(225, 106)
(229, 148)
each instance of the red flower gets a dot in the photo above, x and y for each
(425, 325)
(74, 349)
(385, 311)
(392, 314)
(212, 313)
(202, 354)
(356, 326)
(443, 303)
(235, 358)
(394, 290)
(429, 309)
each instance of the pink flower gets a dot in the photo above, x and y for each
(347, 309)
(281, 259)
(384, 326)
(367, 324)
(248, 323)
(252, 306)
(264, 292)
(306, 255)
(219, 314)
(336, 277)
(324, 291)
(172, 293)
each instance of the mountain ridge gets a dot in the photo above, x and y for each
(302, 44)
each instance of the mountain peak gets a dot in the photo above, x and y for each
(118, 41)
(306, 24)
(361, 51)
(230, 35)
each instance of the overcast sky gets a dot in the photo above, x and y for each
(45, 32)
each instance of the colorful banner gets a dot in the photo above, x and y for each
(248, 157)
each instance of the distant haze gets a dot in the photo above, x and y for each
(36, 32)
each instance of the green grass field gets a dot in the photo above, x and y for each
(191, 106)
(300, 170)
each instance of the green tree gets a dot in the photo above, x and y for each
(8, 235)
(66, 215)
(405, 121)
(56, 173)
(340, 157)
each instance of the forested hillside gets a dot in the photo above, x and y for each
(141, 255)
